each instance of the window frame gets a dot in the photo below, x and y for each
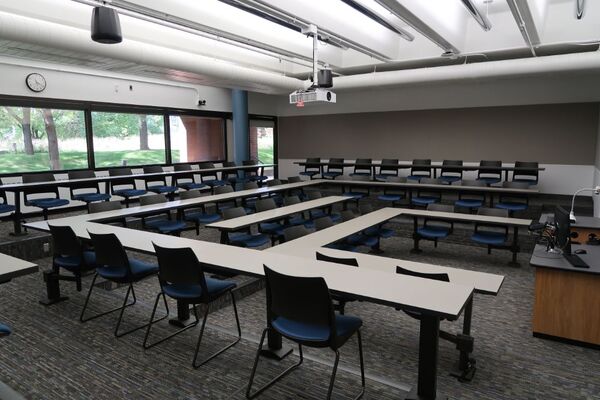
(88, 107)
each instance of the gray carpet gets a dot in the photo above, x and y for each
(53, 356)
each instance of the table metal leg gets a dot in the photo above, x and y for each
(275, 349)
(514, 248)
(415, 249)
(428, 358)
(17, 216)
(183, 314)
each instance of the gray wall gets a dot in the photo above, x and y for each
(551, 134)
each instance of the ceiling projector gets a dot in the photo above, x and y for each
(312, 95)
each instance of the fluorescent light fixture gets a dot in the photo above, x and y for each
(369, 11)
(479, 17)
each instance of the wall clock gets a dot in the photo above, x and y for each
(36, 82)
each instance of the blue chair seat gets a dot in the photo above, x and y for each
(511, 206)
(469, 203)
(139, 270)
(166, 225)
(214, 287)
(341, 246)
(359, 239)
(450, 179)
(258, 178)
(298, 220)
(489, 181)
(331, 174)
(202, 218)
(345, 326)
(335, 217)
(390, 197)
(309, 173)
(424, 200)
(248, 240)
(91, 197)
(162, 189)
(47, 203)
(4, 330)
(129, 192)
(380, 232)
(271, 228)
(433, 232)
(6, 208)
(192, 185)
(491, 238)
(215, 182)
(73, 263)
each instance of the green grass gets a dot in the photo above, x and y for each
(265, 155)
(19, 162)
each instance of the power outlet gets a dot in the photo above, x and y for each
(46, 247)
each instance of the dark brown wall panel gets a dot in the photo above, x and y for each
(553, 134)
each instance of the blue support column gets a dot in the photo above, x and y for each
(241, 128)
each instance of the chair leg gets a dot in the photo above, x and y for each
(489, 249)
(239, 337)
(250, 395)
(87, 300)
(117, 334)
(333, 373)
(185, 328)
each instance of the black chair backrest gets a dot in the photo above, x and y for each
(352, 262)
(180, 266)
(447, 167)
(492, 212)
(295, 232)
(155, 169)
(250, 185)
(265, 204)
(82, 174)
(212, 175)
(124, 172)
(233, 212)
(294, 179)
(104, 206)
(64, 241)
(223, 189)
(153, 199)
(313, 164)
(361, 165)
(314, 194)
(397, 179)
(533, 172)
(364, 178)
(490, 172)
(472, 182)
(273, 182)
(323, 223)
(335, 165)
(389, 164)
(515, 185)
(300, 299)
(426, 275)
(36, 178)
(181, 177)
(182, 167)
(347, 215)
(440, 208)
(365, 208)
(291, 200)
(422, 166)
(189, 194)
(109, 250)
(231, 173)
(250, 171)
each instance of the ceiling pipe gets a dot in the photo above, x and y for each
(383, 20)
(52, 35)
(567, 63)
(522, 15)
(579, 8)
(481, 19)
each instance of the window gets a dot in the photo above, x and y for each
(128, 139)
(196, 138)
(262, 143)
(41, 139)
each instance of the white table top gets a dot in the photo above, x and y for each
(444, 299)
(416, 185)
(12, 267)
(467, 217)
(276, 213)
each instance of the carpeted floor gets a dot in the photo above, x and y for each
(52, 356)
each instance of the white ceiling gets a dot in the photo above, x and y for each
(273, 52)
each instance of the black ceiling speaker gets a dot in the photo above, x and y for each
(325, 78)
(106, 27)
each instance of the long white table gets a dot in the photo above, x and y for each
(12, 267)
(435, 300)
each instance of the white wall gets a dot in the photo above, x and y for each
(597, 176)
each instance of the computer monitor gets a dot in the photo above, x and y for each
(563, 230)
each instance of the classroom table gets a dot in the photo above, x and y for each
(18, 188)
(405, 165)
(435, 300)
(12, 267)
(276, 214)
